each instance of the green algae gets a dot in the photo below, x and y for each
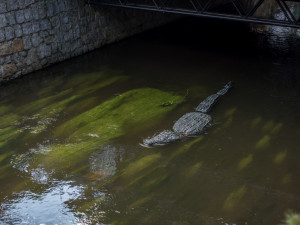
(8, 120)
(111, 119)
(4, 109)
(7, 134)
(37, 105)
(291, 218)
(129, 108)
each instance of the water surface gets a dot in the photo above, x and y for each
(70, 134)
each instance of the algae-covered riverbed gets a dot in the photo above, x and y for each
(70, 134)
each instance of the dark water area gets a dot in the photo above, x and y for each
(70, 134)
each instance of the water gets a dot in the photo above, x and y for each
(70, 134)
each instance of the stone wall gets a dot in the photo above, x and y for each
(37, 33)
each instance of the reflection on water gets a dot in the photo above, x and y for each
(70, 134)
(48, 207)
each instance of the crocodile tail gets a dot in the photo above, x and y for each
(225, 89)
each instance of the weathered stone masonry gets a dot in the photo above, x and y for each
(38, 33)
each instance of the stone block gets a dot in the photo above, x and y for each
(76, 32)
(44, 51)
(48, 39)
(55, 21)
(54, 47)
(27, 42)
(64, 18)
(28, 2)
(3, 8)
(5, 49)
(45, 24)
(18, 30)
(9, 70)
(23, 54)
(35, 11)
(10, 17)
(17, 45)
(1, 72)
(12, 5)
(68, 36)
(15, 57)
(50, 9)
(36, 26)
(59, 37)
(20, 16)
(36, 40)
(27, 28)
(2, 36)
(28, 14)
(44, 62)
(7, 59)
(42, 10)
(44, 34)
(9, 33)
(3, 21)
(31, 57)
(61, 6)
(22, 4)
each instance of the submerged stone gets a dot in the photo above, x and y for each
(162, 138)
(103, 162)
(93, 129)
(191, 123)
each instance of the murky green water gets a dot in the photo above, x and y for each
(70, 134)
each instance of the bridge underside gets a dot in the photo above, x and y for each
(270, 12)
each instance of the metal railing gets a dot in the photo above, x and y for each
(237, 10)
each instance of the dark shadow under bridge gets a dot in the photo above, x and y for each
(271, 12)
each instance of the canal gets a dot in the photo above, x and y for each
(70, 134)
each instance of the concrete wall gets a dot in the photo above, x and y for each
(37, 33)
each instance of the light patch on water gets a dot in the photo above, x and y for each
(141, 164)
(93, 135)
(277, 128)
(286, 179)
(40, 175)
(230, 112)
(23, 161)
(36, 123)
(49, 207)
(268, 126)
(194, 169)
(234, 198)
(140, 202)
(245, 162)
(255, 122)
(263, 142)
(279, 158)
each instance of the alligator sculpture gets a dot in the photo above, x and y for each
(190, 124)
